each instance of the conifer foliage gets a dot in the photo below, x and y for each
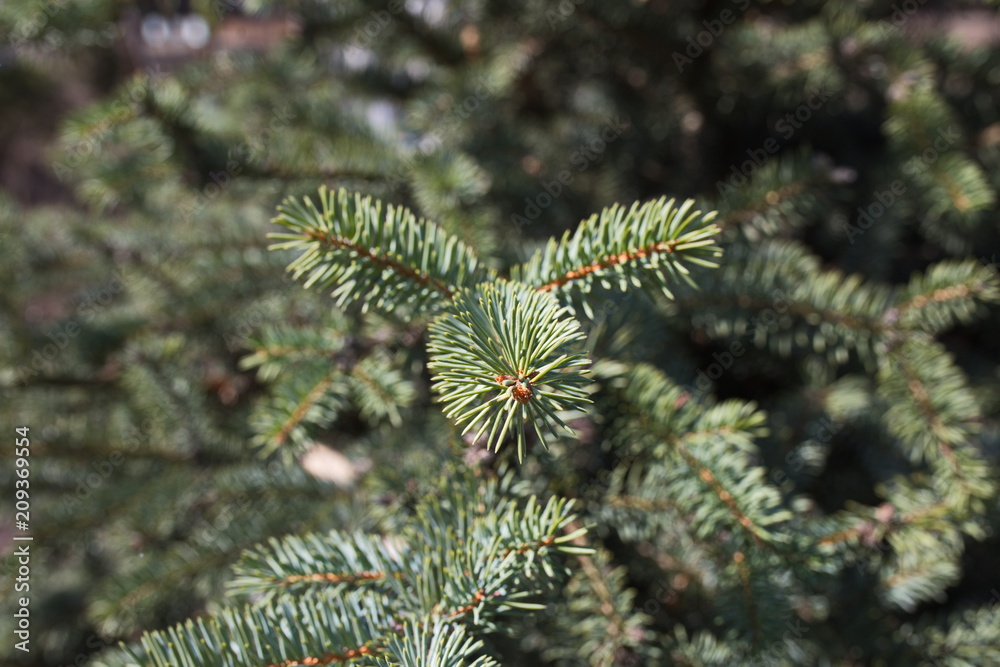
(389, 599)
(501, 349)
(377, 339)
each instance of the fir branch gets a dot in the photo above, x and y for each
(289, 634)
(330, 578)
(841, 535)
(812, 309)
(934, 423)
(335, 242)
(380, 391)
(607, 262)
(332, 562)
(510, 344)
(971, 636)
(311, 398)
(383, 259)
(341, 597)
(946, 294)
(924, 564)
(720, 492)
(748, 597)
(305, 405)
(434, 644)
(694, 448)
(937, 296)
(626, 245)
(598, 581)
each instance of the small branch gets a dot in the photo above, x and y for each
(533, 546)
(840, 535)
(933, 421)
(709, 478)
(706, 476)
(414, 275)
(329, 578)
(477, 600)
(958, 198)
(903, 575)
(908, 519)
(937, 296)
(600, 586)
(923, 400)
(621, 258)
(300, 411)
(748, 598)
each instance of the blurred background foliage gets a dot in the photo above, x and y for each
(145, 145)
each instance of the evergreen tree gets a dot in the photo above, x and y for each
(557, 412)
